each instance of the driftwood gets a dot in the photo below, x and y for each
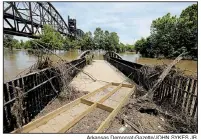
(150, 93)
(132, 125)
(141, 126)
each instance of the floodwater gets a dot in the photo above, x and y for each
(17, 61)
(188, 66)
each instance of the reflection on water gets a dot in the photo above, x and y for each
(18, 60)
(132, 57)
(98, 54)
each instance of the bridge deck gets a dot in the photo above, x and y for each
(104, 99)
(109, 99)
(100, 70)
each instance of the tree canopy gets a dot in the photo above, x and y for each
(52, 40)
(10, 42)
(171, 35)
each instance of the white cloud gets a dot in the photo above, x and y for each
(131, 20)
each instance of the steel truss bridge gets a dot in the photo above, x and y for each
(28, 18)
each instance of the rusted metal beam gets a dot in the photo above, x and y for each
(32, 16)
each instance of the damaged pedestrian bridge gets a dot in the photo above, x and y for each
(109, 84)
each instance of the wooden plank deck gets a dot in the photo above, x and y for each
(62, 119)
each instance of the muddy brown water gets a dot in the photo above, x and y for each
(16, 61)
(188, 66)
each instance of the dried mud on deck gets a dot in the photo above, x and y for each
(59, 102)
(89, 123)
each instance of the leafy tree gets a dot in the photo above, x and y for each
(8, 41)
(99, 38)
(129, 47)
(51, 38)
(28, 44)
(16, 44)
(114, 41)
(140, 46)
(162, 30)
(87, 42)
(122, 47)
(21, 44)
(68, 43)
(188, 29)
(107, 43)
(171, 36)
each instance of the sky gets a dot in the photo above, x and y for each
(131, 20)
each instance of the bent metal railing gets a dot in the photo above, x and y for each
(38, 89)
(83, 54)
(181, 90)
(112, 54)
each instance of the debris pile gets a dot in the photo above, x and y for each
(145, 113)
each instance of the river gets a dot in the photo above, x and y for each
(17, 61)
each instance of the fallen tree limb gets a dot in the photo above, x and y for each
(150, 93)
(51, 84)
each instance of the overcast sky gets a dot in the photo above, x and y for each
(131, 20)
